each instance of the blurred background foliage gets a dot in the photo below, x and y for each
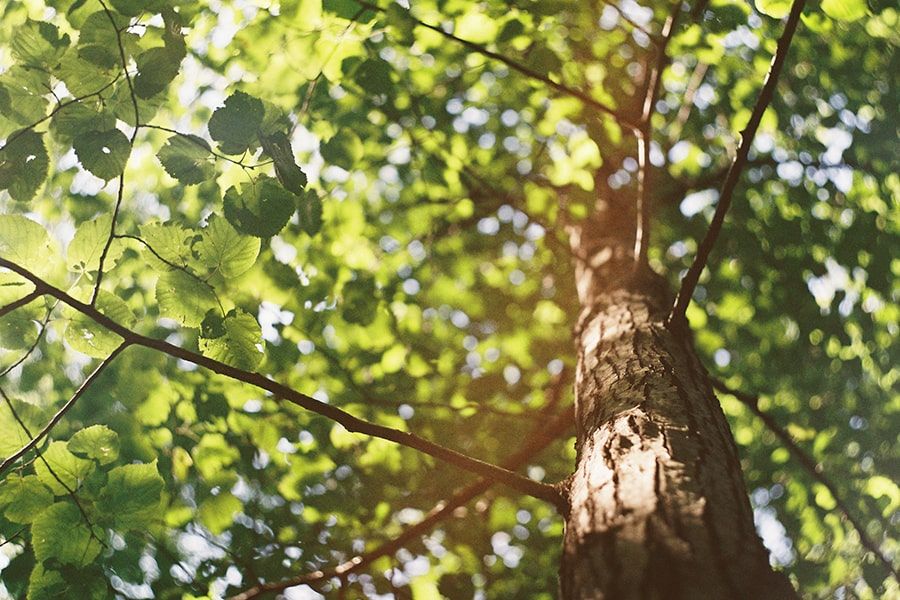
(438, 295)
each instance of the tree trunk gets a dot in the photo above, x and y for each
(658, 507)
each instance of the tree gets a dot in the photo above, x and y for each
(290, 293)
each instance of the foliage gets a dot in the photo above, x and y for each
(346, 200)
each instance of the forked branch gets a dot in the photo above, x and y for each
(34, 441)
(606, 109)
(737, 166)
(536, 441)
(523, 484)
(806, 461)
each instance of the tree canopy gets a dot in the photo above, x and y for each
(287, 295)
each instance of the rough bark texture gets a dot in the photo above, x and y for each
(658, 504)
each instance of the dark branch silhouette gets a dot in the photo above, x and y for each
(806, 461)
(10, 460)
(617, 115)
(737, 166)
(543, 491)
(537, 441)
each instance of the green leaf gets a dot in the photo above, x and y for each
(26, 243)
(22, 99)
(14, 435)
(24, 498)
(98, 43)
(18, 329)
(135, 8)
(13, 287)
(60, 533)
(223, 249)
(83, 76)
(23, 165)
(97, 442)
(262, 208)
(360, 300)
(184, 298)
(81, 117)
(235, 125)
(70, 469)
(344, 149)
(777, 9)
(157, 67)
(38, 43)
(46, 584)
(85, 249)
(346, 9)
(103, 153)
(217, 512)
(170, 241)
(84, 583)
(309, 211)
(278, 146)
(84, 335)
(374, 76)
(132, 495)
(845, 10)
(235, 340)
(187, 159)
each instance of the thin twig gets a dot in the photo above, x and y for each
(527, 486)
(628, 19)
(121, 191)
(55, 110)
(170, 264)
(618, 116)
(812, 467)
(687, 102)
(734, 173)
(535, 442)
(51, 470)
(69, 403)
(124, 59)
(33, 346)
(26, 299)
(13, 536)
(194, 140)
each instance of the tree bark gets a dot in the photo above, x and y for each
(658, 506)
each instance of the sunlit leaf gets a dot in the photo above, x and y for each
(23, 165)
(187, 158)
(103, 153)
(235, 340)
(96, 442)
(223, 249)
(183, 297)
(261, 208)
(235, 125)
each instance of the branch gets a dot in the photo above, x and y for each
(642, 231)
(121, 192)
(65, 407)
(628, 19)
(59, 106)
(26, 299)
(765, 97)
(523, 484)
(811, 466)
(520, 68)
(51, 470)
(536, 441)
